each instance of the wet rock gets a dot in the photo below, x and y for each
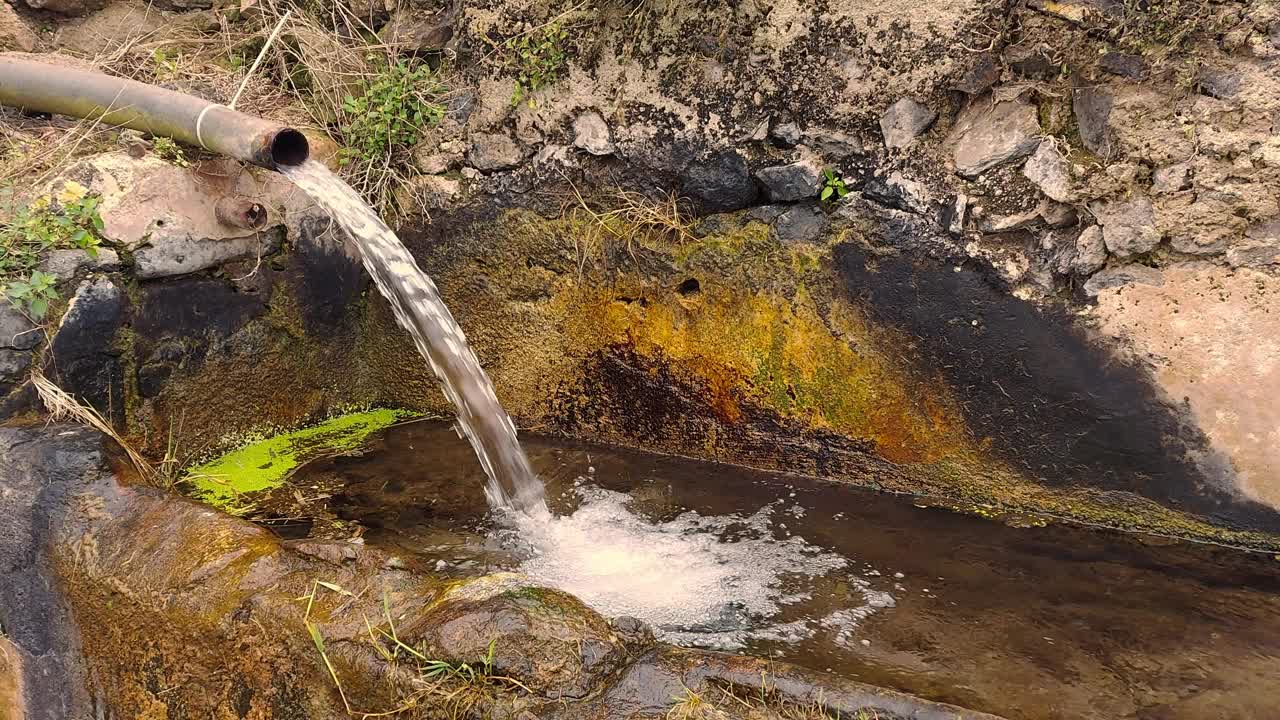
(904, 121)
(67, 7)
(721, 183)
(1050, 172)
(980, 76)
(1123, 64)
(84, 360)
(550, 641)
(13, 364)
(66, 264)
(14, 33)
(785, 134)
(1090, 252)
(1128, 226)
(16, 331)
(788, 183)
(801, 224)
(170, 254)
(1171, 179)
(765, 213)
(591, 133)
(1116, 277)
(987, 136)
(1092, 108)
(495, 151)
(415, 30)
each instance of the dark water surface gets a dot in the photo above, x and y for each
(1037, 623)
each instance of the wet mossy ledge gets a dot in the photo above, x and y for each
(723, 344)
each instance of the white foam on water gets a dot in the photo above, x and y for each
(709, 581)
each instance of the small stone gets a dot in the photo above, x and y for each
(1218, 84)
(721, 183)
(14, 33)
(1030, 62)
(435, 163)
(1092, 108)
(1056, 214)
(981, 75)
(1123, 64)
(13, 363)
(1091, 253)
(899, 575)
(434, 192)
(16, 331)
(788, 183)
(494, 151)
(1116, 277)
(65, 264)
(801, 224)
(1171, 179)
(988, 136)
(1261, 247)
(1008, 223)
(904, 121)
(68, 7)
(785, 134)
(592, 134)
(1128, 226)
(1050, 172)
(413, 30)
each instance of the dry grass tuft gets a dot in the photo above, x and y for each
(62, 406)
(632, 219)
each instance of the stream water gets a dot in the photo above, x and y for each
(509, 481)
(1041, 623)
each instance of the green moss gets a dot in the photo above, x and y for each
(266, 464)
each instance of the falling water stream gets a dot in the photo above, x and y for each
(418, 308)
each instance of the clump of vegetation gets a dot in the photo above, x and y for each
(43, 225)
(1160, 28)
(631, 219)
(389, 116)
(833, 187)
(169, 151)
(538, 58)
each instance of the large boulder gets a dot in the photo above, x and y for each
(988, 135)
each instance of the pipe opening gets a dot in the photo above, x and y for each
(289, 147)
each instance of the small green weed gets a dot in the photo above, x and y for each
(170, 151)
(833, 187)
(396, 106)
(538, 58)
(38, 228)
(35, 293)
(166, 64)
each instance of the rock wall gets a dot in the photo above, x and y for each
(1046, 288)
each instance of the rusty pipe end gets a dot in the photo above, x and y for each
(288, 147)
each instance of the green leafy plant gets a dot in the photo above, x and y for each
(38, 228)
(35, 293)
(170, 151)
(166, 64)
(538, 58)
(397, 104)
(833, 187)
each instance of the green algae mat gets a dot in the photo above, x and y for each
(266, 464)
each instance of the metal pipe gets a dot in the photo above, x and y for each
(40, 87)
